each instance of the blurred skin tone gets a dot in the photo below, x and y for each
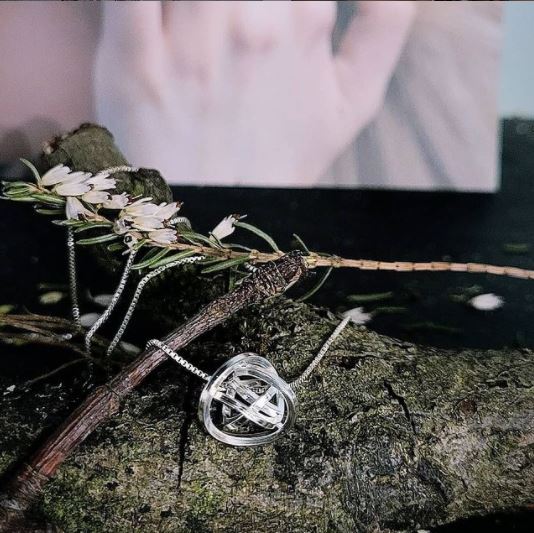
(46, 60)
(211, 92)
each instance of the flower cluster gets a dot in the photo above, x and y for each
(78, 187)
(144, 216)
(84, 198)
(85, 193)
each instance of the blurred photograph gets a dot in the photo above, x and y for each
(396, 95)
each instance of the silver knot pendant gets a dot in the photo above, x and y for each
(246, 402)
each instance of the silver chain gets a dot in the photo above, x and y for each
(137, 295)
(250, 267)
(297, 383)
(180, 360)
(71, 254)
(322, 352)
(73, 282)
(120, 168)
(114, 300)
(180, 220)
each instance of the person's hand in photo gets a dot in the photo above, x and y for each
(242, 92)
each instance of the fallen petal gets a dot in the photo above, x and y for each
(486, 302)
(89, 319)
(358, 315)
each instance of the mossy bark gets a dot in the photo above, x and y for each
(389, 436)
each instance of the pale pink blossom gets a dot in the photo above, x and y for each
(96, 197)
(166, 211)
(225, 227)
(62, 174)
(117, 201)
(102, 182)
(162, 236)
(74, 209)
(147, 216)
(147, 223)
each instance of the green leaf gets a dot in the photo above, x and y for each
(19, 198)
(191, 236)
(31, 166)
(300, 242)
(6, 308)
(516, 248)
(97, 240)
(115, 247)
(139, 244)
(228, 263)
(372, 297)
(49, 199)
(150, 254)
(91, 225)
(318, 285)
(52, 297)
(17, 184)
(53, 212)
(18, 188)
(151, 258)
(71, 222)
(233, 246)
(389, 310)
(259, 233)
(173, 258)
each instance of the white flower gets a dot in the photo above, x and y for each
(147, 223)
(72, 189)
(120, 226)
(95, 197)
(166, 211)
(65, 182)
(225, 227)
(139, 208)
(358, 315)
(68, 183)
(117, 201)
(63, 174)
(102, 182)
(162, 236)
(146, 216)
(486, 302)
(75, 209)
(55, 175)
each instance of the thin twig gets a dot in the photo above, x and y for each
(47, 375)
(315, 260)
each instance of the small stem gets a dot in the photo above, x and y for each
(315, 260)
(47, 375)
